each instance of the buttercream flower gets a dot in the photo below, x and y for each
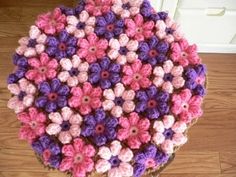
(92, 48)
(184, 54)
(51, 22)
(116, 161)
(186, 106)
(98, 7)
(33, 124)
(21, 65)
(152, 102)
(109, 26)
(105, 73)
(62, 46)
(138, 29)
(23, 95)
(169, 133)
(48, 150)
(168, 76)
(41, 68)
(195, 79)
(153, 51)
(81, 26)
(136, 75)
(74, 71)
(149, 158)
(99, 127)
(123, 50)
(134, 130)
(65, 124)
(52, 95)
(118, 100)
(32, 45)
(85, 99)
(78, 158)
(126, 8)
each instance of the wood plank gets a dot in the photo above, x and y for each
(12, 29)
(8, 45)
(228, 162)
(197, 175)
(33, 174)
(10, 14)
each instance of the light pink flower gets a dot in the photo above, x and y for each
(186, 106)
(86, 98)
(32, 45)
(84, 25)
(184, 53)
(65, 124)
(168, 76)
(123, 49)
(92, 48)
(134, 130)
(23, 95)
(73, 71)
(98, 7)
(33, 124)
(118, 100)
(115, 160)
(42, 68)
(51, 22)
(138, 29)
(136, 75)
(168, 30)
(78, 158)
(169, 134)
(126, 8)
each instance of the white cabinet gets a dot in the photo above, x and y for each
(211, 24)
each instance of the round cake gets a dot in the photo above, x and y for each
(108, 87)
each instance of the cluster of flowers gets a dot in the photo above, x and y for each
(107, 86)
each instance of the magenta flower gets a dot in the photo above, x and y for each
(98, 7)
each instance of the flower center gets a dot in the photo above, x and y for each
(42, 69)
(168, 133)
(65, 126)
(126, 6)
(92, 49)
(169, 30)
(99, 128)
(32, 43)
(86, 99)
(168, 77)
(73, 72)
(184, 54)
(137, 76)
(46, 154)
(119, 101)
(53, 22)
(52, 96)
(185, 106)
(133, 131)
(21, 95)
(105, 74)
(62, 46)
(149, 163)
(198, 80)
(152, 104)
(123, 51)
(33, 124)
(139, 30)
(80, 25)
(153, 53)
(78, 158)
(114, 161)
(110, 27)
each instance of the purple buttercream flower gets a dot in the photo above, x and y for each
(62, 46)
(109, 26)
(52, 95)
(21, 68)
(152, 103)
(195, 79)
(48, 150)
(99, 127)
(150, 157)
(105, 73)
(67, 10)
(154, 51)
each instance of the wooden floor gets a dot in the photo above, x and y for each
(210, 152)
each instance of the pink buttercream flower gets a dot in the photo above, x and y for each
(115, 160)
(186, 106)
(84, 25)
(78, 158)
(138, 29)
(134, 130)
(33, 124)
(184, 53)
(98, 7)
(168, 76)
(51, 22)
(118, 100)
(86, 98)
(23, 95)
(65, 124)
(136, 75)
(32, 45)
(73, 71)
(92, 48)
(168, 30)
(169, 133)
(123, 49)
(42, 68)
(126, 8)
